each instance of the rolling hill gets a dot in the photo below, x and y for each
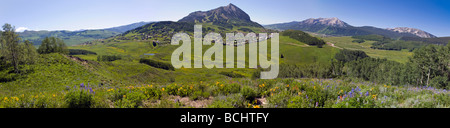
(78, 37)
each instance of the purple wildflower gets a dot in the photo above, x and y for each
(91, 91)
(367, 93)
(82, 85)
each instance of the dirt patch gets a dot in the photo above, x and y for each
(305, 45)
(261, 101)
(185, 101)
(332, 45)
(193, 103)
(79, 60)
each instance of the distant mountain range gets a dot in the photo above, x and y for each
(336, 27)
(78, 37)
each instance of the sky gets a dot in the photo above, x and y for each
(432, 16)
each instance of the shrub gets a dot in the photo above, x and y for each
(249, 93)
(80, 52)
(358, 41)
(199, 95)
(157, 64)
(108, 57)
(279, 100)
(229, 88)
(297, 102)
(232, 74)
(79, 97)
(439, 82)
(153, 92)
(130, 99)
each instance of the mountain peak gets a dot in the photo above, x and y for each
(230, 14)
(414, 31)
(335, 22)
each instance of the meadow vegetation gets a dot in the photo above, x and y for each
(129, 72)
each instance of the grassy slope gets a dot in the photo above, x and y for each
(346, 42)
(52, 73)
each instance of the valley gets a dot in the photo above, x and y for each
(323, 67)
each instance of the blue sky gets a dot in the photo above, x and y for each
(429, 15)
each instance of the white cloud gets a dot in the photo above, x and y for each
(21, 29)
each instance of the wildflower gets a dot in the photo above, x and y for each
(162, 89)
(299, 93)
(317, 104)
(54, 95)
(124, 96)
(287, 85)
(384, 85)
(374, 97)
(82, 85)
(314, 87)
(256, 106)
(367, 93)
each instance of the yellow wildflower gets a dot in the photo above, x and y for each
(162, 89)
(124, 96)
(287, 85)
(256, 106)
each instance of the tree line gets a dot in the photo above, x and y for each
(14, 52)
(429, 66)
(303, 37)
